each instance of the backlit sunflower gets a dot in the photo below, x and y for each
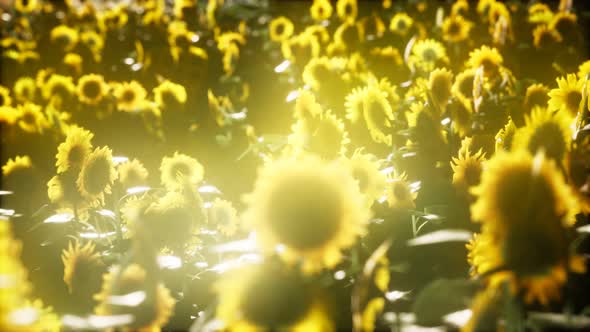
(264, 297)
(456, 29)
(301, 48)
(31, 118)
(316, 71)
(24, 89)
(505, 136)
(92, 89)
(16, 164)
(5, 99)
(97, 174)
(58, 86)
(132, 173)
(546, 38)
(399, 194)
(349, 34)
(439, 85)
(179, 169)
(74, 150)
(487, 57)
(324, 136)
(280, 29)
(467, 166)
(365, 170)
(378, 115)
(401, 23)
(347, 10)
(168, 94)
(129, 96)
(566, 24)
(428, 54)
(463, 86)
(64, 37)
(354, 104)
(26, 6)
(224, 216)
(321, 10)
(82, 264)
(547, 131)
(151, 314)
(313, 208)
(567, 97)
(536, 95)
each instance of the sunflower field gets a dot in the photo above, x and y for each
(319, 165)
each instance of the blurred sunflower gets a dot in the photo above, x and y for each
(546, 38)
(487, 57)
(456, 29)
(16, 164)
(401, 23)
(30, 118)
(132, 173)
(169, 94)
(467, 166)
(354, 104)
(82, 264)
(180, 169)
(321, 10)
(460, 7)
(263, 297)
(378, 115)
(26, 6)
(463, 86)
(567, 97)
(398, 191)
(24, 89)
(151, 314)
(324, 136)
(546, 131)
(97, 174)
(280, 29)
(58, 86)
(505, 136)
(74, 150)
(129, 95)
(566, 24)
(584, 70)
(92, 89)
(224, 216)
(347, 10)
(306, 106)
(64, 37)
(349, 35)
(312, 207)
(439, 85)
(5, 99)
(365, 170)
(536, 95)
(428, 54)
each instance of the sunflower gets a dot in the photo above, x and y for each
(94, 42)
(280, 29)
(92, 89)
(378, 115)
(24, 89)
(536, 95)
(31, 118)
(25, 6)
(317, 71)
(456, 29)
(467, 167)
(132, 173)
(321, 10)
(168, 94)
(567, 97)
(152, 314)
(546, 38)
(129, 95)
(266, 297)
(487, 57)
(16, 165)
(97, 174)
(399, 194)
(505, 136)
(113, 18)
(439, 85)
(545, 131)
(74, 150)
(58, 86)
(347, 10)
(365, 170)
(301, 48)
(324, 136)
(179, 169)
(400, 24)
(313, 208)
(354, 104)
(64, 37)
(81, 264)
(460, 7)
(428, 54)
(223, 215)
(5, 99)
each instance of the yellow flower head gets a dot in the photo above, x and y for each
(428, 54)
(545, 131)
(313, 208)
(365, 170)
(92, 89)
(223, 215)
(129, 96)
(456, 29)
(487, 57)
(132, 173)
(401, 23)
(168, 94)
(536, 95)
(26, 6)
(546, 38)
(505, 136)
(97, 174)
(378, 115)
(399, 193)
(347, 10)
(31, 118)
(81, 264)
(439, 85)
(74, 150)
(467, 167)
(17, 164)
(280, 29)
(180, 169)
(64, 37)
(58, 86)
(324, 136)
(321, 10)
(24, 89)
(567, 97)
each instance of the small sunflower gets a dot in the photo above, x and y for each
(16, 164)
(280, 29)
(97, 174)
(536, 95)
(81, 264)
(467, 167)
(5, 99)
(487, 57)
(301, 48)
(179, 169)
(24, 89)
(456, 29)
(64, 37)
(365, 170)
(400, 24)
(545, 131)
(92, 89)
(321, 10)
(347, 10)
(264, 297)
(30, 118)
(168, 94)
(567, 97)
(26, 6)
(58, 86)
(152, 314)
(505, 136)
(439, 85)
(546, 38)
(74, 150)
(129, 96)
(428, 54)
(224, 216)
(378, 115)
(132, 173)
(399, 193)
(313, 208)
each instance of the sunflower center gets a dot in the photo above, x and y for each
(280, 29)
(2, 99)
(29, 117)
(377, 115)
(400, 191)
(362, 177)
(348, 9)
(305, 212)
(536, 98)
(91, 89)
(429, 55)
(97, 175)
(472, 173)
(572, 100)
(326, 140)
(454, 29)
(275, 300)
(549, 137)
(76, 155)
(169, 98)
(488, 64)
(128, 96)
(466, 86)
(402, 25)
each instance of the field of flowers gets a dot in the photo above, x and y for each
(321, 165)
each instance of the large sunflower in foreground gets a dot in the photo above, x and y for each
(97, 174)
(179, 169)
(313, 208)
(74, 150)
(567, 97)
